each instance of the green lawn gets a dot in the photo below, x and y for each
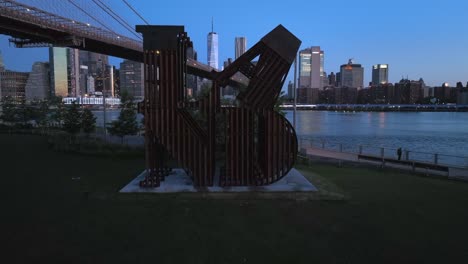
(387, 218)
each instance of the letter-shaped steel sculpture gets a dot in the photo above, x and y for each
(260, 145)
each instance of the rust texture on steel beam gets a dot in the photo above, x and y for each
(258, 145)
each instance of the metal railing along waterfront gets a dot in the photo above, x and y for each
(387, 152)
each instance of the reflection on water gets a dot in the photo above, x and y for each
(382, 120)
(418, 131)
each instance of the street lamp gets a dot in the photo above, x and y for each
(103, 78)
(295, 91)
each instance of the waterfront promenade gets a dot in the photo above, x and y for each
(452, 172)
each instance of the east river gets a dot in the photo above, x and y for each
(426, 132)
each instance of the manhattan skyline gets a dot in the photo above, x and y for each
(418, 39)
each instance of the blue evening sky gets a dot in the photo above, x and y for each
(417, 38)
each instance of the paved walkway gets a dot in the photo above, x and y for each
(457, 173)
(330, 154)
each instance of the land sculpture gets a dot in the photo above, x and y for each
(243, 143)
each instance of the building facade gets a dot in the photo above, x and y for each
(445, 94)
(227, 91)
(95, 67)
(13, 84)
(352, 75)
(116, 81)
(462, 96)
(346, 95)
(290, 90)
(379, 74)
(95, 62)
(131, 79)
(311, 68)
(408, 92)
(240, 46)
(58, 71)
(90, 82)
(307, 95)
(38, 84)
(332, 79)
(83, 80)
(73, 72)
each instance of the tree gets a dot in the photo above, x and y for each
(277, 107)
(25, 113)
(88, 121)
(72, 120)
(126, 100)
(9, 111)
(127, 123)
(203, 92)
(58, 110)
(43, 114)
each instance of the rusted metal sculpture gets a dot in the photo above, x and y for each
(260, 145)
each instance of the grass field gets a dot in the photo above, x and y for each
(388, 218)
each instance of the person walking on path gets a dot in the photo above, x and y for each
(399, 153)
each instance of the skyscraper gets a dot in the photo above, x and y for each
(58, 71)
(227, 92)
(352, 75)
(83, 80)
(116, 81)
(379, 74)
(241, 46)
(73, 68)
(109, 81)
(311, 65)
(290, 90)
(70, 70)
(96, 66)
(213, 48)
(332, 79)
(338, 79)
(94, 61)
(325, 80)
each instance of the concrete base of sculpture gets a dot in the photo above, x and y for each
(294, 184)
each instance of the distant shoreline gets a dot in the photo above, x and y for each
(379, 108)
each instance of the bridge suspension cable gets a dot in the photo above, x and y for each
(136, 12)
(91, 16)
(116, 17)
